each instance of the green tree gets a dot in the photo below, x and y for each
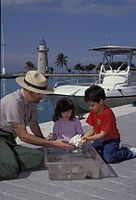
(82, 68)
(69, 70)
(117, 64)
(29, 66)
(132, 66)
(50, 70)
(78, 67)
(90, 67)
(61, 60)
(98, 67)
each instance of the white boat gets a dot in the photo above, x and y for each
(114, 78)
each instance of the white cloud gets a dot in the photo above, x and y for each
(82, 7)
(15, 62)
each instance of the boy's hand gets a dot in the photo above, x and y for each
(75, 140)
(82, 141)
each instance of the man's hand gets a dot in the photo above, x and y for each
(61, 143)
(21, 132)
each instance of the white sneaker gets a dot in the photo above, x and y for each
(133, 150)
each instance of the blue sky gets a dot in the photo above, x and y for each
(68, 26)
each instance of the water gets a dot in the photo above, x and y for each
(45, 108)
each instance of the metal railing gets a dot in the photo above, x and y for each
(75, 82)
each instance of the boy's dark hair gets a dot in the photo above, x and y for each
(94, 93)
(63, 104)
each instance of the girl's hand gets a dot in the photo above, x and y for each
(51, 136)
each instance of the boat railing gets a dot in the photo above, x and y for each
(99, 81)
(82, 81)
(120, 84)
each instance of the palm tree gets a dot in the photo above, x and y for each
(29, 66)
(61, 60)
(50, 70)
(90, 67)
(98, 67)
(78, 67)
(82, 68)
(69, 70)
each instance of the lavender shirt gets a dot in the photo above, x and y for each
(66, 130)
(15, 108)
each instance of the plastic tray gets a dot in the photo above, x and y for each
(65, 165)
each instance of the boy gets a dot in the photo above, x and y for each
(103, 129)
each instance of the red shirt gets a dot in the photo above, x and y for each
(105, 121)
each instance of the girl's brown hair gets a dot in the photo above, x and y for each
(63, 105)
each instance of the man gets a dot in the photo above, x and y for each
(18, 109)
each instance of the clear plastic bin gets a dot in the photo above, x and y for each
(66, 165)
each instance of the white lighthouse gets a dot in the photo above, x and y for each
(42, 57)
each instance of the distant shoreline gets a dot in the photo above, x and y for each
(2, 76)
(6, 76)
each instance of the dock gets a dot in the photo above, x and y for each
(7, 76)
(36, 185)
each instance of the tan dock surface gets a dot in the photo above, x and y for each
(35, 185)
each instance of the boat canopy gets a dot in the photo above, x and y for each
(116, 50)
(112, 67)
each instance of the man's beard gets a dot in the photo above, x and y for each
(36, 101)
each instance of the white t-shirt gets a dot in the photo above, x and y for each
(15, 108)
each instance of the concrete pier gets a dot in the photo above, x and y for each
(50, 75)
(36, 185)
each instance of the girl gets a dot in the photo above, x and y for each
(66, 124)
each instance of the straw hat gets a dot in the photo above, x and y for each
(35, 82)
